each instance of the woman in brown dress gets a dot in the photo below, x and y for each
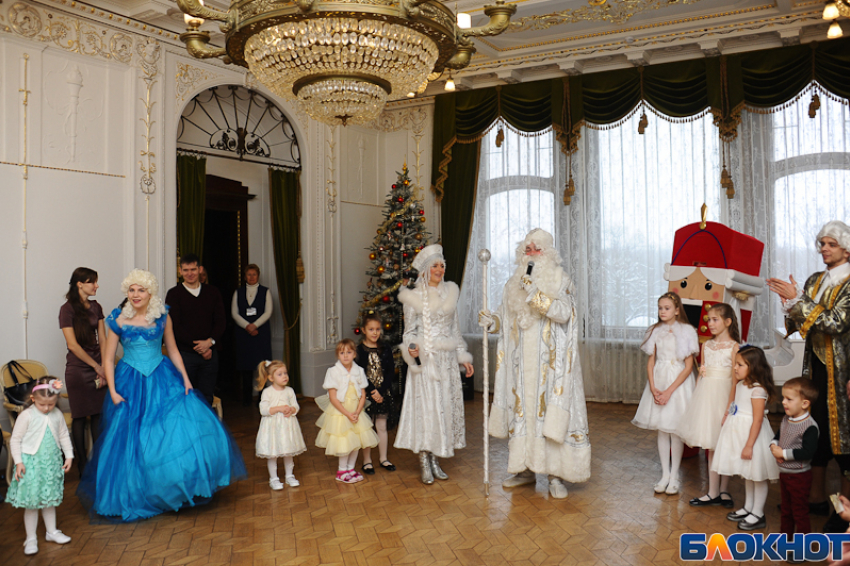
(81, 321)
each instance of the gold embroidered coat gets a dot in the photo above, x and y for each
(826, 328)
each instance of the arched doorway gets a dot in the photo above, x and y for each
(229, 137)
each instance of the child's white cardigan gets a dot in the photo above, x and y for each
(29, 432)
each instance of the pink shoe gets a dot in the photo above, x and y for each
(345, 477)
(356, 476)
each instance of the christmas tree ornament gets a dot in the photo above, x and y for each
(372, 256)
(422, 219)
(387, 326)
(380, 269)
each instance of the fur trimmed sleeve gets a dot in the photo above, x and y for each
(648, 345)
(687, 341)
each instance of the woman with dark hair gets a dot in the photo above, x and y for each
(81, 321)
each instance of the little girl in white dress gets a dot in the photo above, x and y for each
(743, 448)
(279, 435)
(700, 427)
(671, 344)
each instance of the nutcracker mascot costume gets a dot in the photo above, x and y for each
(714, 264)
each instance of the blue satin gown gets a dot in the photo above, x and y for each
(161, 450)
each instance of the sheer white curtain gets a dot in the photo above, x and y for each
(634, 191)
(793, 176)
(517, 186)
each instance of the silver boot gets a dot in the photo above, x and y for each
(425, 465)
(435, 468)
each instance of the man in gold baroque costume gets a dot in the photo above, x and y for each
(821, 313)
(538, 397)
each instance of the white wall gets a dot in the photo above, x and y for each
(91, 113)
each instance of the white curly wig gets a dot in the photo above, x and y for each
(145, 279)
(837, 230)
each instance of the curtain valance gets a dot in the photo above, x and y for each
(724, 85)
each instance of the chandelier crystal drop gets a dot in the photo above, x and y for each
(341, 60)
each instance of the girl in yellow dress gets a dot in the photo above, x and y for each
(344, 428)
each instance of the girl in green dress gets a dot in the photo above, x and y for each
(38, 440)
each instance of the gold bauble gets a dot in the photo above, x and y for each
(372, 256)
(417, 236)
(380, 269)
(422, 219)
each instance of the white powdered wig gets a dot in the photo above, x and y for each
(147, 280)
(837, 230)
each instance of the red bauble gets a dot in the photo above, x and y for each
(386, 299)
(395, 186)
(357, 331)
(399, 225)
(400, 199)
(404, 254)
(421, 211)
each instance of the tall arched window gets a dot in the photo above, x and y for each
(517, 183)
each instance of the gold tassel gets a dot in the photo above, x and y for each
(642, 124)
(569, 191)
(814, 105)
(299, 269)
(727, 183)
(500, 137)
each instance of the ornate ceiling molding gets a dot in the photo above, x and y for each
(657, 25)
(656, 40)
(618, 12)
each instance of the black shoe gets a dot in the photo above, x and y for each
(697, 502)
(388, 466)
(368, 469)
(823, 508)
(835, 524)
(727, 503)
(747, 526)
(735, 516)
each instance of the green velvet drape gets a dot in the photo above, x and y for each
(191, 204)
(283, 189)
(725, 85)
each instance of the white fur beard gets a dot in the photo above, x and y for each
(547, 275)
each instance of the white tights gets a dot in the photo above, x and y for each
(288, 465)
(756, 496)
(670, 449)
(383, 441)
(347, 462)
(717, 484)
(31, 521)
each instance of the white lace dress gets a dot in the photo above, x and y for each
(727, 459)
(668, 366)
(432, 416)
(278, 435)
(700, 426)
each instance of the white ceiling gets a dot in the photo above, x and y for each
(550, 38)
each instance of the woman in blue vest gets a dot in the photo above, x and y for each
(251, 309)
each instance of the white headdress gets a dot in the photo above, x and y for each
(837, 230)
(427, 256)
(148, 281)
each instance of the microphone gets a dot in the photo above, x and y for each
(418, 361)
(530, 267)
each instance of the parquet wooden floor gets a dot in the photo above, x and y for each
(392, 519)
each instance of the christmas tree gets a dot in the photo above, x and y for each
(400, 237)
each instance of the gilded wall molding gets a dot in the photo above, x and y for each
(413, 120)
(69, 33)
(188, 77)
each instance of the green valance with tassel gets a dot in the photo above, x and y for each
(725, 85)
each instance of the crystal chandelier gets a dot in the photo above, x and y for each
(341, 59)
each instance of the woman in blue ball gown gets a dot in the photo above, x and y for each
(162, 448)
